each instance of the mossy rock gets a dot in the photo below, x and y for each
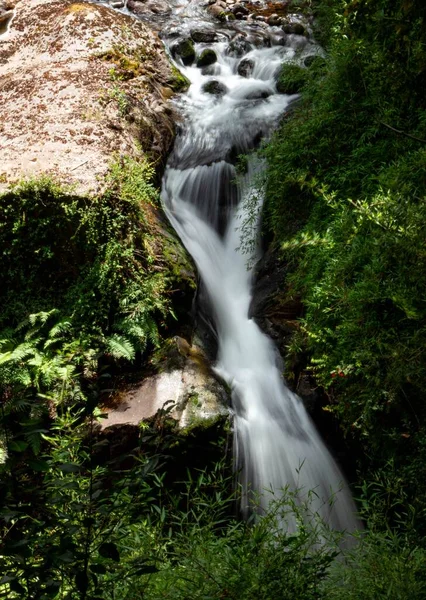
(178, 82)
(206, 58)
(185, 51)
(214, 87)
(291, 79)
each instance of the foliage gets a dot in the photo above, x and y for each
(291, 78)
(93, 259)
(345, 201)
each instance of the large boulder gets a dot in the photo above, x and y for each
(79, 83)
(185, 386)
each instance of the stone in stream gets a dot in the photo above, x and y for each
(214, 87)
(150, 6)
(185, 51)
(294, 27)
(208, 71)
(261, 94)
(238, 47)
(245, 67)
(239, 8)
(203, 36)
(274, 20)
(206, 58)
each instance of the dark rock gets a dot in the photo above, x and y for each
(238, 47)
(274, 20)
(206, 58)
(185, 51)
(245, 67)
(294, 27)
(204, 36)
(215, 87)
(239, 8)
(259, 94)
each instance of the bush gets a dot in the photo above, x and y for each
(345, 201)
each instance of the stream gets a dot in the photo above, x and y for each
(230, 106)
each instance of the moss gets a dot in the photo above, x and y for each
(178, 82)
(128, 63)
(185, 50)
(206, 58)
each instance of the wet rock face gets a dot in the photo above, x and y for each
(73, 99)
(204, 36)
(238, 47)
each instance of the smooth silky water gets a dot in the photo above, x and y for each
(276, 444)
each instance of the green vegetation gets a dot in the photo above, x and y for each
(87, 293)
(346, 191)
(291, 79)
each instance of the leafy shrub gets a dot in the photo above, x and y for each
(345, 201)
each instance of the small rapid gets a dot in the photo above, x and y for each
(276, 444)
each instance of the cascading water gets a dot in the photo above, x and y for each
(276, 444)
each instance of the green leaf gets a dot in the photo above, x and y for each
(39, 465)
(109, 550)
(120, 347)
(18, 446)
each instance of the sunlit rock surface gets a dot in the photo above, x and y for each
(72, 98)
(187, 389)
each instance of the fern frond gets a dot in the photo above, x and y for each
(120, 347)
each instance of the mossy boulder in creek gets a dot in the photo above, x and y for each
(185, 51)
(214, 87)
(206, 58)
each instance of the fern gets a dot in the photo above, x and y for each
(120, 347)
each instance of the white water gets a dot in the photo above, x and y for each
(276, 443)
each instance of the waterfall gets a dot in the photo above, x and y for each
(276, 443)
